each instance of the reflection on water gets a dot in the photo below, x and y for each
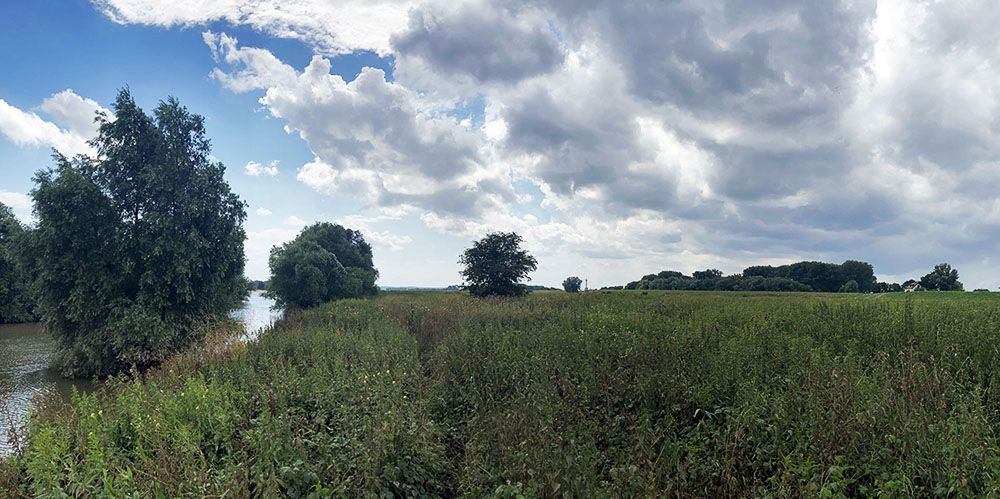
(26, 351)
(257, 314)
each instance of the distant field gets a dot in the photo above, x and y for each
(611, 394)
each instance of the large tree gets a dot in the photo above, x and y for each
(572, 284)
(15, 304)
(323, 263)
(495, 265)
(137, 245)
(942, 278)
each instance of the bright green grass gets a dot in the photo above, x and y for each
(601, 394)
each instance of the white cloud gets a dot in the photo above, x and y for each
(72, 126)
(264, 212)
(15, 200)
(255, 169)
(295, 221)
(373, 138)
(332, 27)
(258, 248)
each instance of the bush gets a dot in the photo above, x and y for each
(323, 263)
(572, 284)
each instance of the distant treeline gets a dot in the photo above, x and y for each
(852, 276)
(259, 285)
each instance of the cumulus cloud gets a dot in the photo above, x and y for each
(371, 136)
(295, 221)
(71, 127)
(479, 42)
(255, 169)
(720, 131)
(264, 212)
(15, 200)
(332, 27)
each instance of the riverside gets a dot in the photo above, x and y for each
(26, 351)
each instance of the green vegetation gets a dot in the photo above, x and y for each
(495, 266)
(596, 394)
(15, 303)
(135, 248)
(942, 278)
(324, 262)
(572, 284)
(851, 276)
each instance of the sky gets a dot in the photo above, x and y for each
(618, 137)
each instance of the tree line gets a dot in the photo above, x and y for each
(852, 276)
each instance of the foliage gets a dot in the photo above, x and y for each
(136, 245)
(572, 284)
(324, 262)
(942, 278)
(801, 276)
(600, 394)
(707, 274)
(495, 265)
(679, 282)
(819, 276)
(15, 303)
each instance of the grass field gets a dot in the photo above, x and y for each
(599, 394)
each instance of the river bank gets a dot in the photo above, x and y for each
(26, 352)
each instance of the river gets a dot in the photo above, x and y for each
(25, 353)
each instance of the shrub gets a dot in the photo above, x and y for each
(323, 263)
(572, 284)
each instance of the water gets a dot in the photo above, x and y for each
(26, 351)
(256, 315)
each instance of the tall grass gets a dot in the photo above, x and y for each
(597, 394)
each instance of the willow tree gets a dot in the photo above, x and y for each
(137, 245)
(324, 262)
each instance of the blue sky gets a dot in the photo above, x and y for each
(620, 138)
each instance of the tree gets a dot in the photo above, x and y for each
(572, 284)
(942, 278)
(850, 287)
(137, 246)
(862, 273)
(495, 265)
(707, 274)
(15, 304)
(324, 262)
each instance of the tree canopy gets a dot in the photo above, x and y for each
(942, 278)
(572, 284)
(495, 265)
(323, 263)
(15, 303)
(136, 246)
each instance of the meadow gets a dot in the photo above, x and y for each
(600, 394)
